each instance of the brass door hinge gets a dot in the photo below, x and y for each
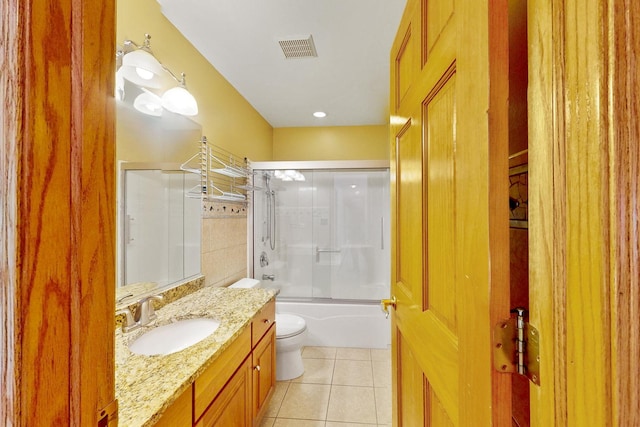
(108, 416)
(516, 347)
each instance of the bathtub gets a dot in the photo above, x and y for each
(336, 324)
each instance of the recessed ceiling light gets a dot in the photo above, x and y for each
(319, 114)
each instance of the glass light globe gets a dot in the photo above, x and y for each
(179, 100)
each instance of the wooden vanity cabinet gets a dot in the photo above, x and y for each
(235, 389)
(232, 406)
(264, 373)
(179, 413)
(264, 358)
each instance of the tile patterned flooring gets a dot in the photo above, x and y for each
(341, 387)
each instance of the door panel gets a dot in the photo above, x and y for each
(438, 134)
(408, 223)
(441, 191)
(438, 416)
(437, 15)
(412, 384)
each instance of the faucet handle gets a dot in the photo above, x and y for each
(146, 313)
(129, 323)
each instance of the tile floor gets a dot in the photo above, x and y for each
(341, 387)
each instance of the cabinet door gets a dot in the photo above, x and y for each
(179, 413)
(232, 407)
(264, 372)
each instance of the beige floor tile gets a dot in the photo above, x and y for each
(319, 353)
(267, 422)
(353, 372)
(353, 353)
(289, 422)
(383, 404)
(381, 354)
(276, 399)
(316, 371)
(381, 373)
(352, 404)
(305, 401)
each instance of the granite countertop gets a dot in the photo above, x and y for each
(147, 385)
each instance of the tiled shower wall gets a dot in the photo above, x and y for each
(224, 243)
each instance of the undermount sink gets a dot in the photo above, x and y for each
(174, 337)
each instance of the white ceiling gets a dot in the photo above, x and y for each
(349, 79)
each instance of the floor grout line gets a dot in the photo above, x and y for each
(331, 390)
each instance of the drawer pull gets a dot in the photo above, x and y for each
(257, 368)
(267, 321)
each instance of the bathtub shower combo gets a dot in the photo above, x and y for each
(321, 236)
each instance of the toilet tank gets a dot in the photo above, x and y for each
(246, 283)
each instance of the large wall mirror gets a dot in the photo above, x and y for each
(158, 223)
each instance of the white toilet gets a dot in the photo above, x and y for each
(291, 332)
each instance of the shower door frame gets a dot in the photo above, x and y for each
(318, 165)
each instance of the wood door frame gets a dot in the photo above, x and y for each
(57, 180)
(624, 116)
(584, 204)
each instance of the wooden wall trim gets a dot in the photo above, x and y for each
(624, 113)
(93, 207)
(11, 76)
(58, 211)
(585, 241)
(499, 189)
(546, 222)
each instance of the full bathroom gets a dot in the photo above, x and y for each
(142, 287)
(240, 222)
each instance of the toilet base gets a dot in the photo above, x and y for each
(289, 364)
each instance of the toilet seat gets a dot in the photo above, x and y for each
(289, 325)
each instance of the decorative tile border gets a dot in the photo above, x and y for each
(213, 209)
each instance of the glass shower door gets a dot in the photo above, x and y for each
(351, 235)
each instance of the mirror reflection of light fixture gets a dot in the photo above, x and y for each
(289, 175)
(179, 99)
(141, 67)
(148, 103)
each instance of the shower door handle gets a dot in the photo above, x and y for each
(319, 251)
(127, 229)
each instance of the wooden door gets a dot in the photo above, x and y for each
(450, 252)
(57, 216)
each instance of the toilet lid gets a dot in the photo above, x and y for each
(288, 325)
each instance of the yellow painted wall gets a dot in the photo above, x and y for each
(227, 119)
(331, 143)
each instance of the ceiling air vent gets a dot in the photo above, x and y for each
(298, 47)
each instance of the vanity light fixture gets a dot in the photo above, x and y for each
(320, 114)
(141, 67)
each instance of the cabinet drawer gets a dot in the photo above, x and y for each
(262, 321)
(213, 379)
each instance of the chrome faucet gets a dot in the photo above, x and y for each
(145, 312)
(271, 277)
(142, 316)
